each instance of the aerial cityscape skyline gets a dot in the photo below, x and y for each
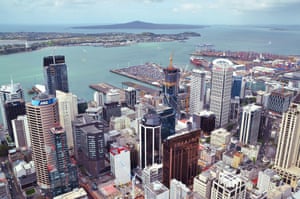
(178, 108)
(231, 12)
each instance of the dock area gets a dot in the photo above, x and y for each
(149, 73)
(105, 88)
(142, 89)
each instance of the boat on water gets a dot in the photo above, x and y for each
(199, 61)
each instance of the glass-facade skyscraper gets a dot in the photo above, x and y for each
(55, 74)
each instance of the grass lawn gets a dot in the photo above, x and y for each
(30, 191)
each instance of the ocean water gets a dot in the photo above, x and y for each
(88, 64)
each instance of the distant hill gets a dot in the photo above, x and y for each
(141, 25)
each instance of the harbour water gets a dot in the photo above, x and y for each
(88, 64)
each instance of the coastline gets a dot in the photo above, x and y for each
(74, 39)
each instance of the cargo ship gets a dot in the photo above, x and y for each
(199, 61)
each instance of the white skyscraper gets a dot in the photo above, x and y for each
(250, 123)
(197, 91)
(7, 93)
(220, 94)
(287, 159)
(67, 106)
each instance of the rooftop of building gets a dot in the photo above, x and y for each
(10, 88)
(75, 193)
(102, 87)
(151, 119)
(157, 187)
(282, 92)
(91, 129)
(223, 63)
(251, 108)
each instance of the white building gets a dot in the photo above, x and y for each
(74, 194)
(202, 184)
(220, 95)
(67, 106)
(250, 123)
(23, 169)
(197, 93)
(220, 138)
(7, 93)
(156, 190)
(21, 131)
(120, 164)
(228, 186)
(113, 96)
(178, 190)
(118, 123)
(287, 158)
(152, 173)
(267, 180)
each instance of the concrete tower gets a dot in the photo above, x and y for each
(220, 95)
(197, 91)
(42, 115)
(287, 159)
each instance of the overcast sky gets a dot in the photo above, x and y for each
(206, 12)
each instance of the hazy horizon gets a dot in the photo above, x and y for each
(103, 12)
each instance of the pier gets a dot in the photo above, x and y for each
(149, 73)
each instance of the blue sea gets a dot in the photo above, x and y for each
(88, 65)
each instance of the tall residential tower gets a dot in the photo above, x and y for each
(287, 159)
(220, 96)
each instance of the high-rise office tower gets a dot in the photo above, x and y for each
(168, 119)
(180, 157)
(130, 97)
(112, 109)
(67, 106)
(89, 143)
(150, 140)
(42, 115)
(171, 85)
(7, 93)
(250, 123)
(221, 82)
(13, 108)
(62, 173)
(55, 74)
(207, 122)
(236, 86)
(287, 159)
(279, 100)
(21, 131)
(197, 92)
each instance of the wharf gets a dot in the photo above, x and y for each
(239, 55)
(149, 73)
(105, 88)
(141, 88)
(102, 87)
